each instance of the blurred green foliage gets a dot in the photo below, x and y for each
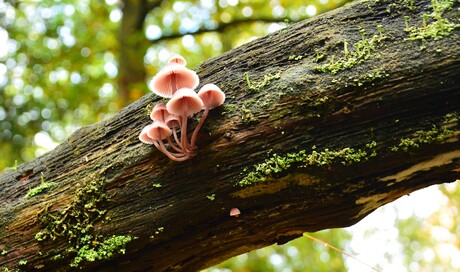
(433, 243)
(52, 76)
(62, 66)
(299, 255)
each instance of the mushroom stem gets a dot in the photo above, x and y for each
(183, 131)
(177, 148)
(175, 136)
(173, 156)
(198, 126)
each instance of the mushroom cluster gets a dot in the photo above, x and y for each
(177, 82)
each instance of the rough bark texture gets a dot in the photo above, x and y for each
(346, 144)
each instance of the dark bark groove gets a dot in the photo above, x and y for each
(345, 144)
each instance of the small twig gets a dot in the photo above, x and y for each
(339, 250)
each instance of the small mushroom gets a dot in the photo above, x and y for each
(235, 212)
(144, 137)
(178, 59)
(158, 131)
(212, 97)
(159, 113)
(184, 103)
(173, 77)
(172, 121)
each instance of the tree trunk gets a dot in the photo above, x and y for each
(133, 46)
(324, 122)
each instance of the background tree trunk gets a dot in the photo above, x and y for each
(300, 145)
(133, 46)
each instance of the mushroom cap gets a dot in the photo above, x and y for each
(159, 112)
(185, 102)
(235, 212)
(172, 121)
(211, 95)
(158, 131)
(178, 59)
(144, 137)
(172, 78)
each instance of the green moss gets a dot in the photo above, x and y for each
(315, 102)
(105, 250)
(405, 144)
(14, 167)
(43, 186)
(319, 56)
(434, 25)
(211, 197)
(4, 252)
(6, 269)
(295, 57)
(149, 108)
(229, 109)
(156, 185)
(278, 163)
(370, 77)
(318, 101)
(75, 224)
(75, 218)
(409, 4)
(434, 135)
(404, 4)
(157, 231)
(22, 262)
(57, 257)
(257, 86)
(246, 115)
(363, 50)
(371, 146)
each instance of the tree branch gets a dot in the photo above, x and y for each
(221, 27)
(324, 122)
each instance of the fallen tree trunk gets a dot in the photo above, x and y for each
(324, 122)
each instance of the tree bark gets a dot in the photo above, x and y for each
(312, 136)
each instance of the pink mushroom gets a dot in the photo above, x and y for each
(235, 212)
(177, 82)
(159, 112)
(173, 77)
(158, 131)
(184, 103)
(178, 59)
(212, 97)
(144, 137)
(172, 121)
